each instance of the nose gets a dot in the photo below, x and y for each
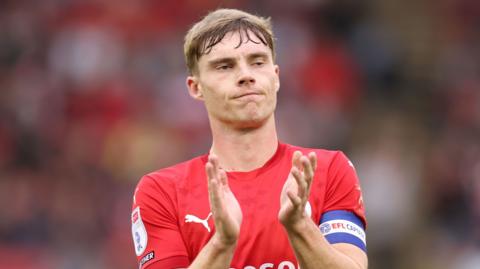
(245, 76)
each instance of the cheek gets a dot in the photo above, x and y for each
(272, 85)
(276, 84)
(270, 80)
(214, 98)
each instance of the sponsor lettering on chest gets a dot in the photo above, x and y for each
(268, 265)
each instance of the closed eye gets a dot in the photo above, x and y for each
(258, 59)
(223, 67)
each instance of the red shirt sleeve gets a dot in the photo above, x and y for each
(343, 187)
(169, 263)
(156, 235)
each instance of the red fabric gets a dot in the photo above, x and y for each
(169, 263)
(167, 196)
(343, 192)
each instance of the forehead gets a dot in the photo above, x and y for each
(230, 46)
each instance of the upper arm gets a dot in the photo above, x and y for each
(344, 203)
(343, 190)
(156, 235)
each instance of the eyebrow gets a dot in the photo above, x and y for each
(256, 55)
(215, 62)
(250, 57)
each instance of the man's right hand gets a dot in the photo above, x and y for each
(227, 215)
(225, 208)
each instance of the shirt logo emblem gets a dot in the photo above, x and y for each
(195, 219)
(139, 232)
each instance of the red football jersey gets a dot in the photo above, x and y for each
(171, 218)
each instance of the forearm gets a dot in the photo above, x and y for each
(314, 251)
(215, 254)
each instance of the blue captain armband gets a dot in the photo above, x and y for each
(340, 226)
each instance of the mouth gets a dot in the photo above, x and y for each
(246, 94)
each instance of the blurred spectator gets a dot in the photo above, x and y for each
(93, 96)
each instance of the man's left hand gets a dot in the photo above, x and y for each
(296, 189)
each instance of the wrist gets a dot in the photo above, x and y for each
(298, 226)
(223, 244)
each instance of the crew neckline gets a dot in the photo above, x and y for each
(247, 175)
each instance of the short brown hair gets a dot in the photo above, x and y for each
(212, 29)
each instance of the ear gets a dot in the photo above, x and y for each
(194, 88)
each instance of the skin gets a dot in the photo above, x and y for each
(239, 86)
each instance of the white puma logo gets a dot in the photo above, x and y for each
(204, 222)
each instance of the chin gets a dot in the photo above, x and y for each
(252, 122)
(251, 118)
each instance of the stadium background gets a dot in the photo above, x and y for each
(92, 96)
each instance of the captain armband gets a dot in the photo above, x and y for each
(340, 226)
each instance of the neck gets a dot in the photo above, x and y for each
(244, 149)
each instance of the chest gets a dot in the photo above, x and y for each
(262, 237)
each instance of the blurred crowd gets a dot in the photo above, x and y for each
(93, 96)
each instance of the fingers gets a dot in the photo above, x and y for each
(214, 181)
(301, 182)
(312, 156)
(217, 183)
(303, 171)
(298, 156)
(223, 178)
(213, 159)
(296, 201)
(217, 172)
(213, 185)
(307, 168)
(296, 159)
(296, 190)
(210, 171)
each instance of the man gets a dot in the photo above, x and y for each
(252, 202)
